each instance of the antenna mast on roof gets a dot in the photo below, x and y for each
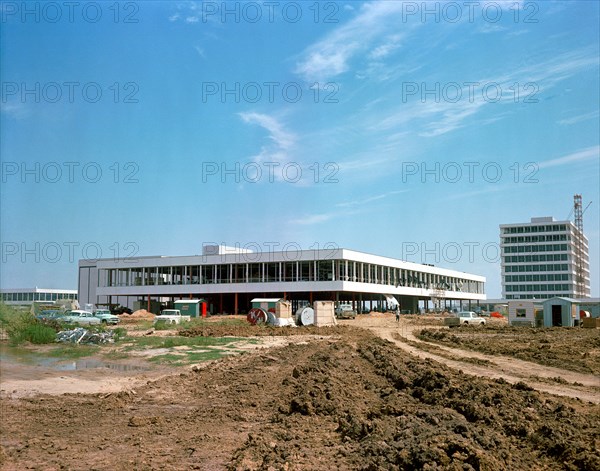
(579, 259)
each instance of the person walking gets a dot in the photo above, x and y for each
(398, 313)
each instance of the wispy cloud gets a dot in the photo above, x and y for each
(16, 110)
(371, 31)
(281, 140)
(442, 116)
(579, 156)
(200, 51)
(370, 199)
(312, 219)
(579, 118)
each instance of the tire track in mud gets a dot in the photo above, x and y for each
(511, 370)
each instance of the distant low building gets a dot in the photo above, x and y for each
(27, 296)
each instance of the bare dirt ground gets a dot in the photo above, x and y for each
(569, 383)
(339, 398)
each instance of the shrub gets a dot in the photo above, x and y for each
(35, 333)
(24, 327)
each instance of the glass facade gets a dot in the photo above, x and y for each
(29, 296)
(273, 272)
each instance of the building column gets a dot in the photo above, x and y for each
(235, 309)
(221, 303)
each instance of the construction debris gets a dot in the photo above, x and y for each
(84, 336)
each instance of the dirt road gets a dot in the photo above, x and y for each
(578, 385)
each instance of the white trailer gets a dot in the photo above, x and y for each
(521, 313)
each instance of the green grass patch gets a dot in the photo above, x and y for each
(22, 326)
(170, 342)
(199, 321)
(187, 358)
(116, 355)
(72, 351)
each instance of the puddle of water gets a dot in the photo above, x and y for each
(94, 363)
(22, 356)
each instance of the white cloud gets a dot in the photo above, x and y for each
(200, 51)
(579, 118)
(437, 117)
(330, 56)
(15, 110)
(281, 140)
(314, 219)
(579, 156)
(369, 199)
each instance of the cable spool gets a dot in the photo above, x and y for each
(305, 316)
(271, 318)
(257, 315)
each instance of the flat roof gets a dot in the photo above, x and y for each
(37, 290)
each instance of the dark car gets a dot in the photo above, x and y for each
(49, 315)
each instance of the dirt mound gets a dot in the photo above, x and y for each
(574, 348)
(351, 403)
(379, 409)
(136, 316)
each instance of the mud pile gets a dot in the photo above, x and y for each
(351, 403)
(575, 349)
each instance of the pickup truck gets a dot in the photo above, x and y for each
(106, 317)
(171, 316)
(80, 317)
(464, 318)
(345, 311)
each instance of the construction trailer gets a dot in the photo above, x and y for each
(192, 307)
(521, 313)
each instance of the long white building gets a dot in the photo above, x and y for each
(228, 279)
(27, 296)
(540, 260)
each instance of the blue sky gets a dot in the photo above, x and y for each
(417, 129)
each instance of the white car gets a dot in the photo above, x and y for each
(106, 317)
(345, 311)
(80, 317)
(171, 316)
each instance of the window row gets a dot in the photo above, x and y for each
(536, 248)
(550, 277)
(541, 238)
(536, 288)
(529, 229)
(528, 268)
(537, 295)
(315, 270)
(557, 257)
(37, 296)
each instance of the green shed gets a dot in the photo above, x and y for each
(268, 304)
(191, 307)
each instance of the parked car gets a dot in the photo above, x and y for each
(48, 314)
(80, 317)
(106, 317)
(171, 316)
(345, 311)
(464, 318)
